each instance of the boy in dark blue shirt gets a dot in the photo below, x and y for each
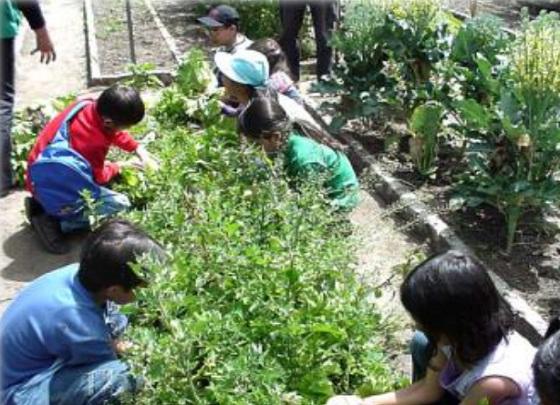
(59, 337)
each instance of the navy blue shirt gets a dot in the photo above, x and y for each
(53, 318)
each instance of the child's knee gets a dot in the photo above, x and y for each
(113, 379)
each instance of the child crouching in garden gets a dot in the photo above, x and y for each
(466, 350)
(69, 158)
(279, 79)
(60, 337)
(265, 122)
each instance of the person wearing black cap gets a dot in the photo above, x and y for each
(324, 14)
(223, 23)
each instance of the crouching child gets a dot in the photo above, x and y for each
(265, 122)
(59, 338)
(69, 158)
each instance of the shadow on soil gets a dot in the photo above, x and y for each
(28, 258)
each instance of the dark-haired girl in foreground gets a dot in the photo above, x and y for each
(265, 122)
(466, 350)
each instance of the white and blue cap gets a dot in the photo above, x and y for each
(245, 67)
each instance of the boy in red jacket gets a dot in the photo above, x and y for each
(93, 130)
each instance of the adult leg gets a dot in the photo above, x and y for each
(324, 17)
(7, 78)
(92, 384)
(291, 16)
(109, 203)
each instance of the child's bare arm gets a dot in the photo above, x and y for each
(425, 391)
(492, 389)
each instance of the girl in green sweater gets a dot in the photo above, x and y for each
(265, 122)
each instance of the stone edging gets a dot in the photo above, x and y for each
(94, 76)
(530, 324)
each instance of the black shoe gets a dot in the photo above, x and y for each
(32, 208)
(48, 230)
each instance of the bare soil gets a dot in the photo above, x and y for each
(532, 268)
(111, 29)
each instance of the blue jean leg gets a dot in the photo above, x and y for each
(421, 353)
(110, 203)
(7, 76)
(92, 384)
(115, 320)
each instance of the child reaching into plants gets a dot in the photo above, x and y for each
(546, 367)
(60, 337)
(279, 79)
(467, 351)
(265, 122)
(69, 158)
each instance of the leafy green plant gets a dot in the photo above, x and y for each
(259, 303)
(389, 51)
(189, 100)
(143, 77)
(359, 80)
(194, 73)
(478, 48)
(425, 125)
(513, 152)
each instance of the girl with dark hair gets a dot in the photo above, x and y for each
(245, 77)
(265, 122)
(467, 351)
(279, 79)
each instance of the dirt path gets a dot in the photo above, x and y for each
(21, 257)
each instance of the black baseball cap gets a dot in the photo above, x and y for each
(220, 16)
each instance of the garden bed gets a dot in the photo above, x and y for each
(112, 38)
(449, 108)
(532, 268)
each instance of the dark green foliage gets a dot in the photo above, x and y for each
(259, 303)
(513, 145)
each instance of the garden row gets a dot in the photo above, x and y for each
(259, 303)
(467, 93)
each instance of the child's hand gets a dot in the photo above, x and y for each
(150, 163)
(121, 346)
(131, 164)
(345, 400)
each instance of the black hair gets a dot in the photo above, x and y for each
(276, 57)
(264, 115)
(109, 252)
(546, 370)
(122, 104)
(452, 295)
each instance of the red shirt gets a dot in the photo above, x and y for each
(88, 138)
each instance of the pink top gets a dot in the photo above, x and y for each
(511, 359)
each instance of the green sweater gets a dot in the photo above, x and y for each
(304, 157)
(10, 18)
